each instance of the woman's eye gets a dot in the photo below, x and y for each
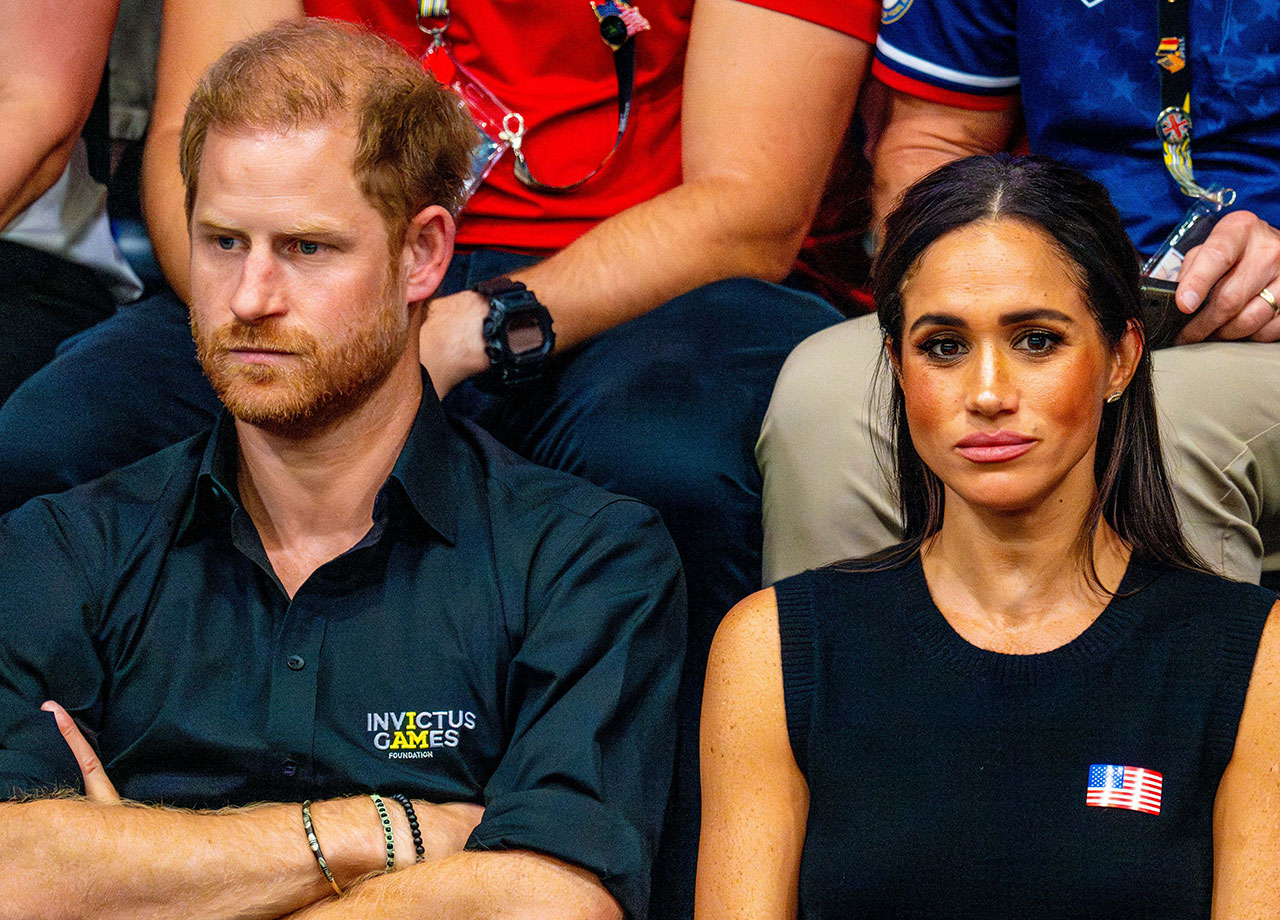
(942, 348)
(1038, 342)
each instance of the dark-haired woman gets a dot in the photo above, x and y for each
(1040, 705)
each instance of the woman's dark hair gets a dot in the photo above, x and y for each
(1133, 490)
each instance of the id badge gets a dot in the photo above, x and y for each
(497, 124)
(1191, 232)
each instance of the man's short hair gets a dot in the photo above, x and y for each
(414, 138)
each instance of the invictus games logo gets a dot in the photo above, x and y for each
(415, 735)
(894, 10)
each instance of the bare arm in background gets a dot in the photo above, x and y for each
(767, 98)
(52, 57)
(919, 136)
(193, 34)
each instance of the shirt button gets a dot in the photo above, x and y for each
(288, 768)
(296, 662)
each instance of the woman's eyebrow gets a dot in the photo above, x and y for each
(1028, 316)
(938, 319)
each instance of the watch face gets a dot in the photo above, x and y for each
(518, 333)
(524, 334)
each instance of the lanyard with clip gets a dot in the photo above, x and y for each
(1173, 124)
(1163, 320)
(619, 23)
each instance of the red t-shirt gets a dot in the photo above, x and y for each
(545, 60)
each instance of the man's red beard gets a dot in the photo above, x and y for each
(318, 383)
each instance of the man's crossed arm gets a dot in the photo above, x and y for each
(102, 857)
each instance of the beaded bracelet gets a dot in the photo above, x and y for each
(315, 846)
(386, 830)
(413, 825)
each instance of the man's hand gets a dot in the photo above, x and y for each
(1239, 259)
(452, 339)
(445, 828)
(98, 787)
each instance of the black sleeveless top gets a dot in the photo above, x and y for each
(947, 781)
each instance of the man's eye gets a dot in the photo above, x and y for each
(226, 243)
(308, 248)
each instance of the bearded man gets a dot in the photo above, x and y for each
(462, 665)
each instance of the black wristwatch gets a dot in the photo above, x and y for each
(517, 332)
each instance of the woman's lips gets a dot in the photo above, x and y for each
(994, 446)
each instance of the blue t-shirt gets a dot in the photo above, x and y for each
(1090, 89)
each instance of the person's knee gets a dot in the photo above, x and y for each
(39, 458)
(1220, 435)
(117, 392)
(821, 452)
(825, 380)
(664, 432)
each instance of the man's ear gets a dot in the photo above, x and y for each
(428, 248)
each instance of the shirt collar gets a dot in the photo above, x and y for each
(216, 494)
(426, 475)
(423, 479)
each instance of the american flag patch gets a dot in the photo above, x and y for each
(1114, 786)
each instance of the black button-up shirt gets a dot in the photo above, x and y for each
(504, 634)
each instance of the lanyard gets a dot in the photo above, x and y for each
(1173, 124)
(619, 23)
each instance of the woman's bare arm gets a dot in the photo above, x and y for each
(755, 802)
(1246, 815)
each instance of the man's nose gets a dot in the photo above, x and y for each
(258, 293)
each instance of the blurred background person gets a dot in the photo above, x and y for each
(60, 270)
(1096, 101)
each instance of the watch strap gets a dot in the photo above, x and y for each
(495, 287)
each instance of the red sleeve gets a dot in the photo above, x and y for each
(859, 18)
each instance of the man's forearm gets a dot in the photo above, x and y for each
(66, 858)
(76, 858)
(477, 886)
(921, 135)
(51, 61)
(691, 235)
(31, 158)
(694, 234)
(766, 102)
